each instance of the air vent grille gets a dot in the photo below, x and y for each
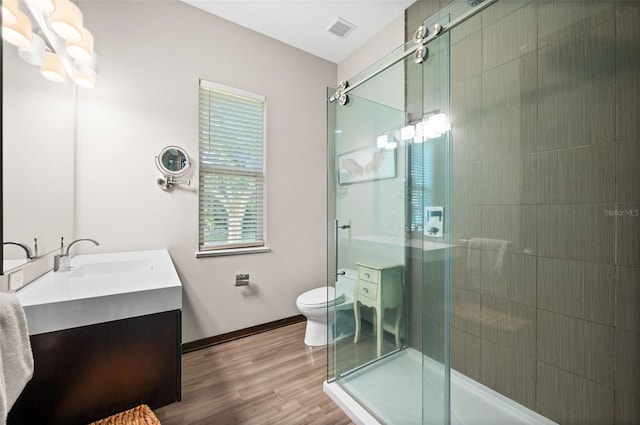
(341, 27)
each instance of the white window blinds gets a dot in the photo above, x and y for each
(232, 136)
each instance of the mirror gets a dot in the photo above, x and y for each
(173, 161)
(38, 133)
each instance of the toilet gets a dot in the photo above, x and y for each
(314, 305)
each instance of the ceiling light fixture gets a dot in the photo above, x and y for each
(18, 33)
(53, 68)
(66, 20)
(82, 49)
(45, 6)
(9, 11)
(33, 54)
(60, 44)
(83, 80)
(88, 68)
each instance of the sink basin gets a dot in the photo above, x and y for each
(101, 288)
(108, 267)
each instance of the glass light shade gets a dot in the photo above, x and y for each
(436, 125)
(53, 68)
(419, 129)
(89, 68)
(381, 141)
(9, 12)
(45, 6)
(66, 20)
(19, 34)
(82, 49)
(408, 132)
(34, 54)
(439, 121)
(419, 132)
(83, 80)
(432, 133)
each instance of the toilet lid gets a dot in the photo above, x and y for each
(320, 297)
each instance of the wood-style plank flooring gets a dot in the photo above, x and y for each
(268, 378)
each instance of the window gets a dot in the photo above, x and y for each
(232, 140)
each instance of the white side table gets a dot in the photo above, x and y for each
(379, 287)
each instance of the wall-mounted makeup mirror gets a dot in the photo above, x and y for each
(173, 162)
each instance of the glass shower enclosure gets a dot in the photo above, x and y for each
(389, 210)
(491, 271)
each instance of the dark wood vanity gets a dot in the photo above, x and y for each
(91, 372)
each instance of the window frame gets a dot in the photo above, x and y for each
(241, 248)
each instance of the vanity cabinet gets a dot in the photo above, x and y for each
(91, 372)
(379, 287)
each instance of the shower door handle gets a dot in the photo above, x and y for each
(337, 228)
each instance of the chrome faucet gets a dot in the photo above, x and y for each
(61, 261)
(27, 250)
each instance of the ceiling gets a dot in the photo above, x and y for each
(303, 23)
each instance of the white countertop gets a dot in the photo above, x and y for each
(101, 288)
(426, 245)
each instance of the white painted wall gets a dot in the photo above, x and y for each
(151, 57)
(388, 39)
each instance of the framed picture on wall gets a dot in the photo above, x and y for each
(367, 164)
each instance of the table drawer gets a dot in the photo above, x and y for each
(370, 275)
(367, 289)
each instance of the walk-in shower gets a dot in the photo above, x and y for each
(470, 172)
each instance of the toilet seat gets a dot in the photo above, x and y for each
(320, 298)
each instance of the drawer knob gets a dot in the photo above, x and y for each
(367, 275)
(366, 290)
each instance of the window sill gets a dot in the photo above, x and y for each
(233, 251)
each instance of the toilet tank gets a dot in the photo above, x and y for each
(346, 284)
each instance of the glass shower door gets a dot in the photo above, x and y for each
(430, 224)
(388, 197)
(370, 209)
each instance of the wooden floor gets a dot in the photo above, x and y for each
(268, 378)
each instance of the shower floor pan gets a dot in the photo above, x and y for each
(392, 390)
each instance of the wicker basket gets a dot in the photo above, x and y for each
(140, 415)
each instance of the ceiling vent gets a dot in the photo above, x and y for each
(341, 27)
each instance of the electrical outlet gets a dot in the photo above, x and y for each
(16, 280)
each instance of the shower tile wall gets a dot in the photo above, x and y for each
(546, 189)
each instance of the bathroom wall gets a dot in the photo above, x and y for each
(151, 57)
(545, 160)
(389, 38)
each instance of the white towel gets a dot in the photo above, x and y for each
(16, 358)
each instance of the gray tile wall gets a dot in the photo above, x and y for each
(546, 188)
